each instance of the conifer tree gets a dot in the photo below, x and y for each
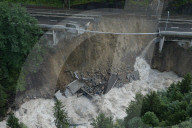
(61, 117)
(13, 122)
(102, 122)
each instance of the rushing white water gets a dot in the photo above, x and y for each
(114, 103)
(39, 112)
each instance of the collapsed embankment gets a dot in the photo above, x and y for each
(87, 53)
(103, 54)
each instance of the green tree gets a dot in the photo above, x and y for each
(162, 108)
(18, 34)
(134, 109)
(152, 103)
(102, 122)
(3, 101)
(185, 84)
(61, 118)
(174, 93)
(13, 122)
(151, 119)
(189, 109)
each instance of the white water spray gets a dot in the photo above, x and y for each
(39, 112)
(82, 110)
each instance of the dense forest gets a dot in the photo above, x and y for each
(18, 34)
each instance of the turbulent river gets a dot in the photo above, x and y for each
(39, 113)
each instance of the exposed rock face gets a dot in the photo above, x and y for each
(173, 58)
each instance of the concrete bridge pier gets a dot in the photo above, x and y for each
(182, 38)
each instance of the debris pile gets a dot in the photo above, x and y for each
(91, 84)
(86, 84)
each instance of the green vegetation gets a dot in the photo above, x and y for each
(18, 34)
(3, 101)
(171, 108)
(151, 119)
(119, 124)
(176, 6)
(102, 122)
(77, 2)
(50, 3)
(58, 3)
(140, 3)
(164, 108)
(177, 3)
(60, 115)
(13, 122)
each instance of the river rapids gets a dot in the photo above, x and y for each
(38, 113)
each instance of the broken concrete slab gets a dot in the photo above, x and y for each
(58, 95)
(67, 92)
(73, 87)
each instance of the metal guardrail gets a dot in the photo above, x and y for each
(161, 33)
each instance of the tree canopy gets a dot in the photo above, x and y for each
(18, 34)
(164, 108)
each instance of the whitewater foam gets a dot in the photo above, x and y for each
(82, 110)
